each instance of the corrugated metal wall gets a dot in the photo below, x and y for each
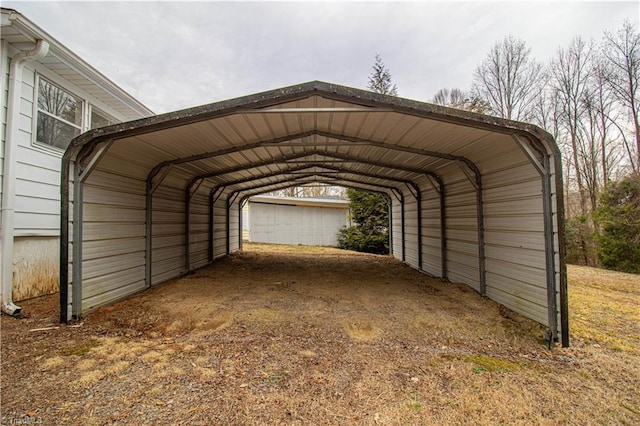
(462, 227)
(514, 237)
(113, 232)
(431, 232)
(235, 234)
(396, 228)
(219, 227)
(411, 229)
(168, 228)
(199, 228)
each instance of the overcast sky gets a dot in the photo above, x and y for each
(174, 55)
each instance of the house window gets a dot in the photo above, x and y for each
(99, 119)
(59, 115)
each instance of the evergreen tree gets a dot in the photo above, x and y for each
(370, 232)
(380, 79)
(369, 210)
(619, 219)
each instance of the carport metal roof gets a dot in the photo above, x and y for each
(457, 180)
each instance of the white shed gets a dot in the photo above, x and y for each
(474, 199)
(295, 220)
(48, 95)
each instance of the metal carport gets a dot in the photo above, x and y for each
(474, 199)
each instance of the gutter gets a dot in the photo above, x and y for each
(9, 175)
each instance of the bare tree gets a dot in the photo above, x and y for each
(380, 79)
(547, 110)
(446, 97)
(602, 112)
(508, 79)
(310, 191)
(622, 51)
(457, 98)
(571, 71)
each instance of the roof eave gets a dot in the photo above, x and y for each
(30, 30)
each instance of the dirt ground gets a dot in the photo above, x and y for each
(295, 335)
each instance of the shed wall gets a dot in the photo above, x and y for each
(290, 224)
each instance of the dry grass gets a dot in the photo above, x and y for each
(605, 307)
(299, 335)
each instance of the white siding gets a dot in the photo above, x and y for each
(4, 93)
(37, 172)
(289, 224)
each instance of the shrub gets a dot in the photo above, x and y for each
(618, 215)
(368, 241)
(370, 232)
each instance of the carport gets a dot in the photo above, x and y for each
(474, 199)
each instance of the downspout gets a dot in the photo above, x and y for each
(9, 178)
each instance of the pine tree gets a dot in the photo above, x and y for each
(380, 79)
(370, 232)
(369, 210)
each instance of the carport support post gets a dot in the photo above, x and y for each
(76, 301)
(544, 170)
(443, 231)
(161, 171)
(400, 198)
(189, 192)
(214, 196)
(230, 201)
(390, 220)
(481, 255)
(148, 231)
(210, 244)
(419, 202)
(549, 248)
(187, 228)
(473, 174)
(402, 224)
(228, 220)
(418, 199)
(243, 202)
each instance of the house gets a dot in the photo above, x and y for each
(289, 220)
(49, 95)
